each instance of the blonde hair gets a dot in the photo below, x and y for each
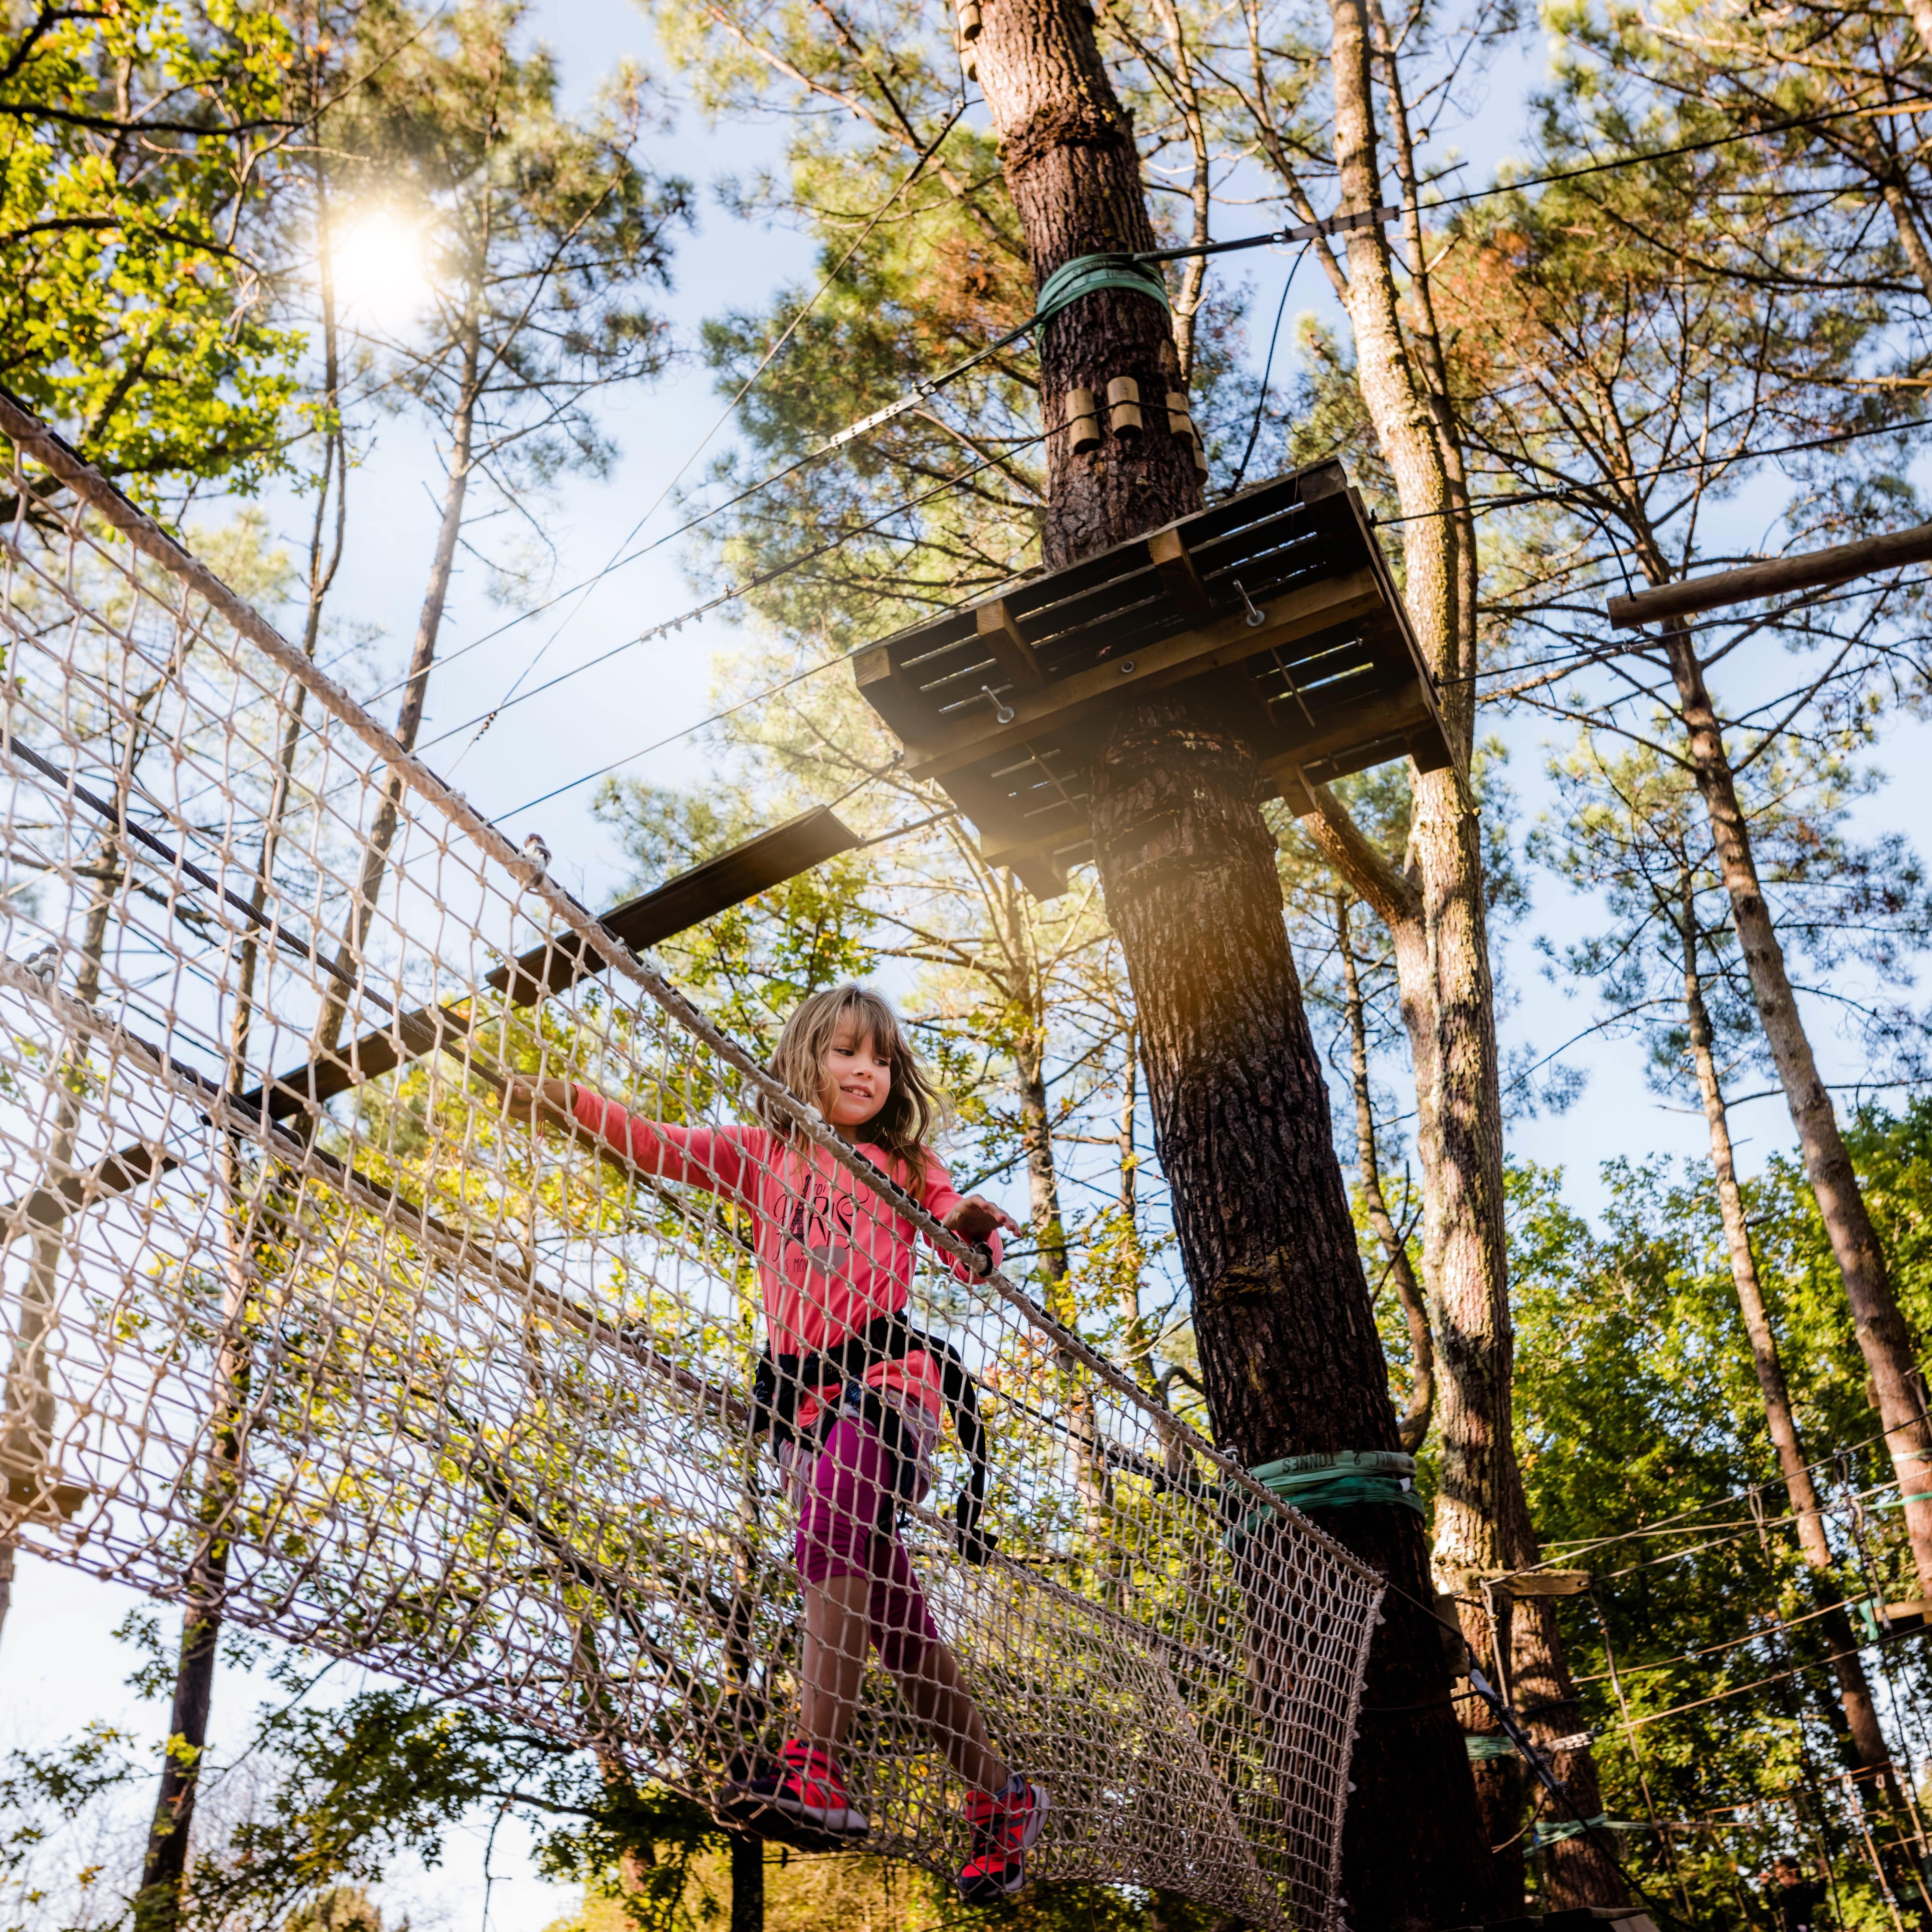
(916, 1111)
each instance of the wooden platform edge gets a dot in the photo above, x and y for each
(1228, 641)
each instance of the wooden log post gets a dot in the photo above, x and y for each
(1290, 1355)
(1775, 576)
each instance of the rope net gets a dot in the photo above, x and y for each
(303, 1327)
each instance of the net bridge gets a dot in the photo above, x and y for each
(348, 1354)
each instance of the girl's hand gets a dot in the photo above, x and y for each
(540, 1102)
(976, 1217)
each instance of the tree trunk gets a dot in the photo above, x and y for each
(1911, 236)
(1071, 166)
(27, 1418)
(747, 1883)
(409, 719)
(1437, 920)
(157, 1905)
(1023, 982)
(1289, 1352)
(1140, 1336)
(1883, 1336)
(1414, 1423)
(1867, 1739)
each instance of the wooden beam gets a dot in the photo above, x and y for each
(1295, 613)
(1180, 576)
(893, 693)
(689, 900)
(1815, 570)
(1386, 715)
(1000, 634)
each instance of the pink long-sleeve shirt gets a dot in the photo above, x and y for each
(832, 1254)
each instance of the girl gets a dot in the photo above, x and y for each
(833, 1259)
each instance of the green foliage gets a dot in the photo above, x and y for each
(1639, 1421)
(140, 144)
(345, 1908)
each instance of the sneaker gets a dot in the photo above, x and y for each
(806, 1787)
(1004, 1829)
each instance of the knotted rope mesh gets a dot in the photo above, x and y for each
(301, 1326)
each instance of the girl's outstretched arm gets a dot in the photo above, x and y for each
(712, 1158)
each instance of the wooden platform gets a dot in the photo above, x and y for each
(1276, 606)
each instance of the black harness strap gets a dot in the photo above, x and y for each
(781, 1380)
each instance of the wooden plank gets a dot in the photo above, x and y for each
(1296, 614)
(1000, 634)
(1432, 739)
(689, 900)
(893, 693)
(1179, 576)
(1537, 1582)
(1385, 716)
(1816, 570)
(1044, 878)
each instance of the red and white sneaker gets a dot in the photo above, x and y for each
(1004, 1829)
(805, 1787)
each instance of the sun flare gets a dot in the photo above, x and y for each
(381, 280)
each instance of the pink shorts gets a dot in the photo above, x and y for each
(840, 1498)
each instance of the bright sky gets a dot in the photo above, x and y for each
(59, 1667)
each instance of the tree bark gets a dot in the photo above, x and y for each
(1290, 1355)
(747, 1883)
(1068, 150)
(1436, 913)
(1414, 1426)
(1855, 1696)
(1911, 236)
(1883, 1337)
(1140, 1337)
(1025, 989)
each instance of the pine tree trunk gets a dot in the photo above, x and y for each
(1437, 920)
(1028, 996)
(1071, 167)
(1883, 1336)
(415, 692)
(158, 1904)
(1289, 1352)
(1855, 1696)
(1414, 1426)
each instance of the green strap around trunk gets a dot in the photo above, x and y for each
(1086, 273)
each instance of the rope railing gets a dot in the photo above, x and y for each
(402, 1375)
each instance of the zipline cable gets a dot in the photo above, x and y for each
(728, 594)
(730, 408)
(1570, 490)
(926, 387)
